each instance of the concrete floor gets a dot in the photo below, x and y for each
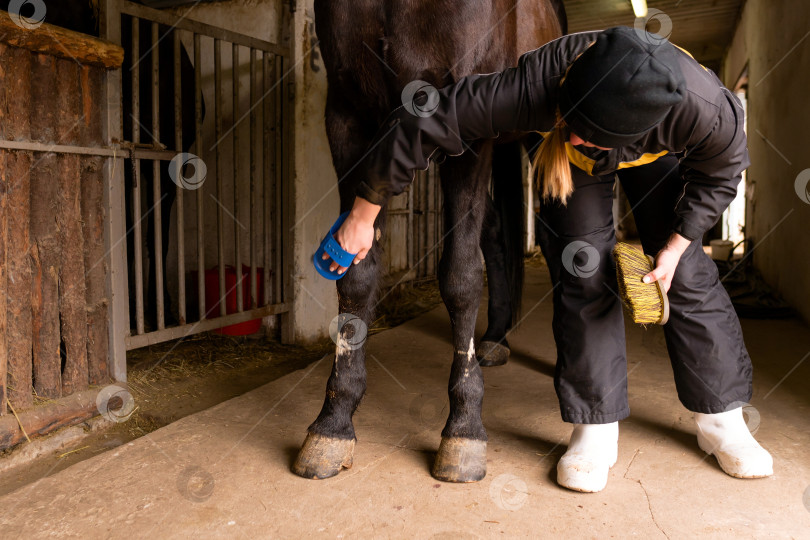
(224, 472)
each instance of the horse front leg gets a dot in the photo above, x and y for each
(329, 445)
(462, 453)
(330, 441)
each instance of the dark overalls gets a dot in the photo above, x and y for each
(711, 365)
(686, 195)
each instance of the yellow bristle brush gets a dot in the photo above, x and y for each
(647, 302)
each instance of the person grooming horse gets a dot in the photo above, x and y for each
(626, 103)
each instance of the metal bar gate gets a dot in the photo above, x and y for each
(230, 194)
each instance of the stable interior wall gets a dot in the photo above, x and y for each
(772, 42)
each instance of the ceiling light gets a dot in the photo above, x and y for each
(639, 7)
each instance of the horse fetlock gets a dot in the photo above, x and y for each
(323, 457)
(460, 460)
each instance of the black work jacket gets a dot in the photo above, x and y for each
(706, 129)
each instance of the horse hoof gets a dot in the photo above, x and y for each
(323, 457)
(492, 354)
(460, 460)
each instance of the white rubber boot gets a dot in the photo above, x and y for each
(727, 437)
(591, 453)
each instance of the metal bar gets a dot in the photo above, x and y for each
(235, 138)
(114, 201)
(178, 145)
(279, 163)
(109, 151)
(141, 151)
(284, 200)
(423, 221)
(176, 332)
(254, 295)
(197, 27)
(440, 225)
(156, 191)
(220, 175)
(199, 193)
(136, 183)
(268, 178)
(410, 236)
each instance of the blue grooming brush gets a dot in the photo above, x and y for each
(331, 247)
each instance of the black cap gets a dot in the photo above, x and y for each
(621, 87)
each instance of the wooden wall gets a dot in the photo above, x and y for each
(53, 304)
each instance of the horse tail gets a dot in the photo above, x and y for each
(507, 179)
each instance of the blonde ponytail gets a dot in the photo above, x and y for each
(551, 168)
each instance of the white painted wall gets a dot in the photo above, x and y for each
(315, 195)
(773, 38)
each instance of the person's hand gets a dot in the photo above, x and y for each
(356, 235)
(667, 260)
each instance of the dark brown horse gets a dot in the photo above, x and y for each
(372, 49)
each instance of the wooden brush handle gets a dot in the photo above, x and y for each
(664, 300)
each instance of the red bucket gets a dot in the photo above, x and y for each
(212, 297)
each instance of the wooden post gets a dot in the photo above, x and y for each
(69, 222)
(62, 43)
(3, 264)
(114, 222)
(47, 362)
(92, 207)
(4, 182)
(17, 66)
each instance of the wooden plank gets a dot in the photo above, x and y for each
(4, 182)
(47, 362)
(69, 222)
(3, 281)
(18, 309)
(47, 418)
(62, 43)
(93, 219)
(114, 226)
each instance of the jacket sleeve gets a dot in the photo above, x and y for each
(476, 107)
(522, 98)
(712, 169)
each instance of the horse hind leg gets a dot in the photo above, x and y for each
(502, 246)
(493, 349)
(462, 453)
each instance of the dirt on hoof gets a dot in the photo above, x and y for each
(460, 460)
